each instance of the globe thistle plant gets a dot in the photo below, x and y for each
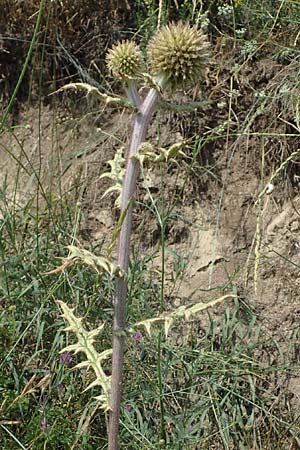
(178, 54)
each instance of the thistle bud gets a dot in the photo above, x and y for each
(179, 54)
(125, 60)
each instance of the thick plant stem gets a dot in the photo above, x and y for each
(132, 94)
(141, 124)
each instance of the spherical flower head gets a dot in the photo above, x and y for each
(125, 60)
(179, 54)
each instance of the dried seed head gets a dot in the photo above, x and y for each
(125, 60)
(179, 54)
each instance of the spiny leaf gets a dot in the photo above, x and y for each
(148, 153)
(98, 263)
(85, 345)
(182, 312)
(92, 90)
(116, 174)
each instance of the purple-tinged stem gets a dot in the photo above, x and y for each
(141, 124)
(133, 94)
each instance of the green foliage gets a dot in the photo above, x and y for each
(218, 383)
(36, 387)
(217, 389)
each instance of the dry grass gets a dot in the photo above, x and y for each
(73, 39)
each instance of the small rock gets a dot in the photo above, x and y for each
(294, 226)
